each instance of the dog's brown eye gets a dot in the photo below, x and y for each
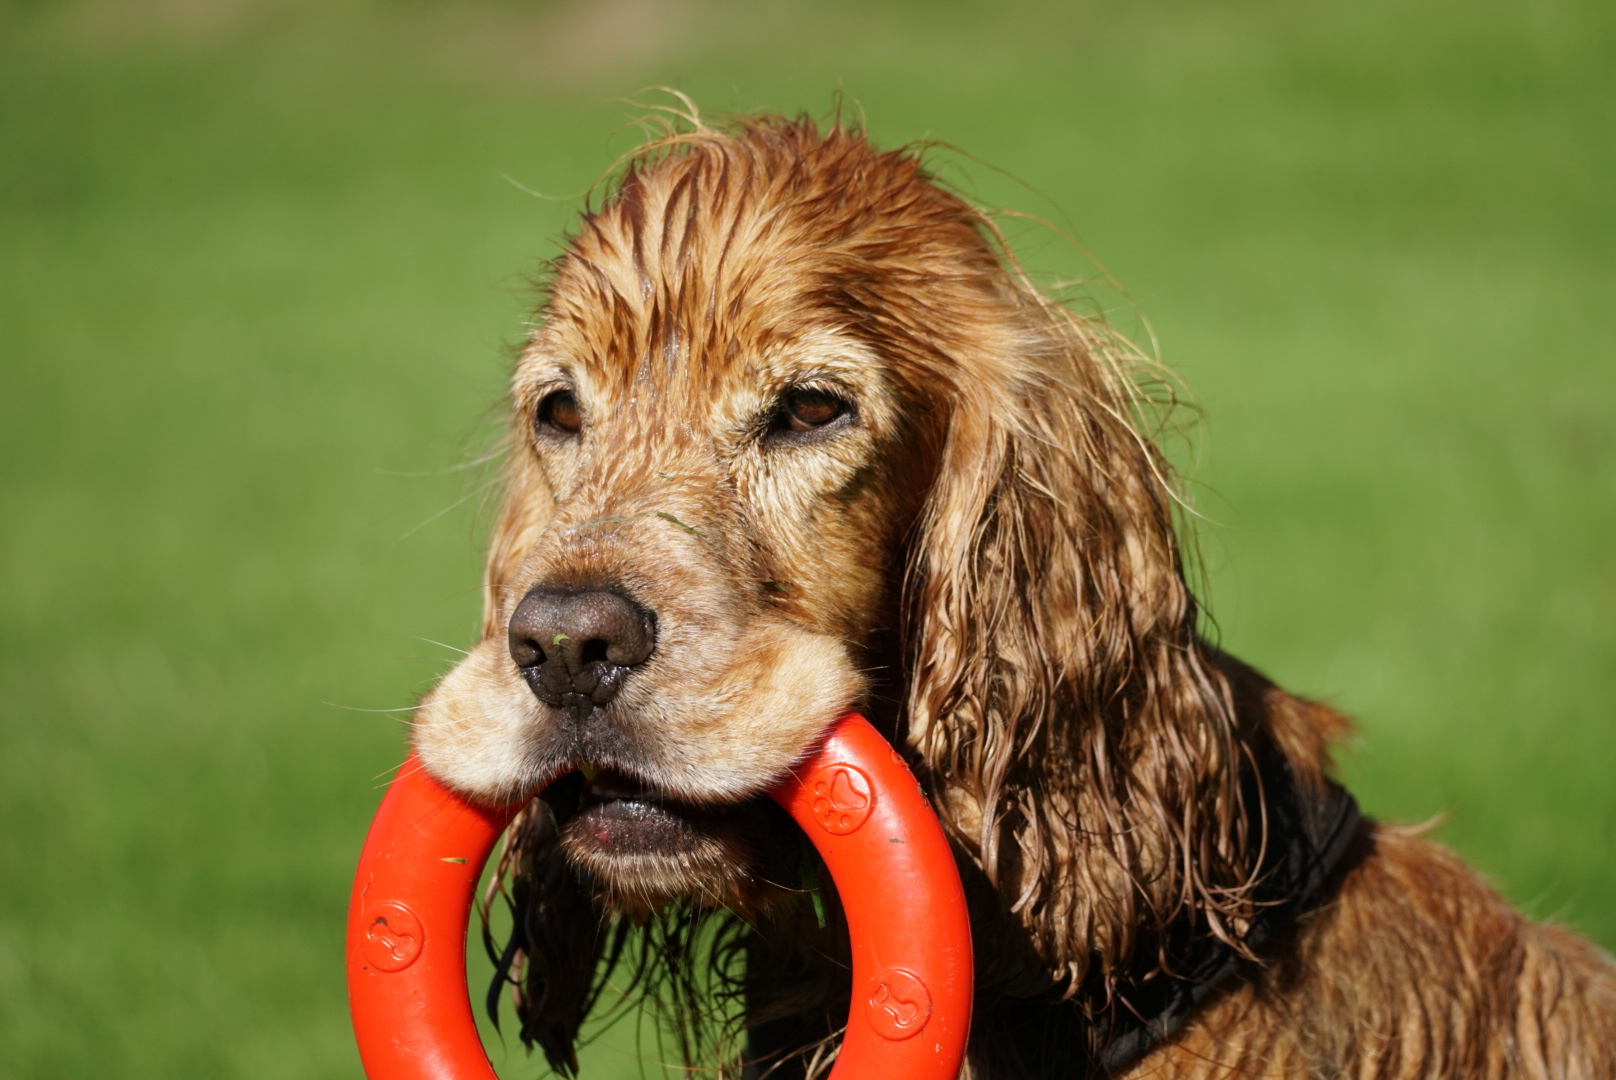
(558, 413)
(810, 410)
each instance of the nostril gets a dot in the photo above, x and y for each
(594, 651)
(526, 652)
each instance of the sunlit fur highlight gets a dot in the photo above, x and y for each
(988, 563)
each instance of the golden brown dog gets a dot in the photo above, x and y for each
(794, 436)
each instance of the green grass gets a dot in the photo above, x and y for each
(257, 261)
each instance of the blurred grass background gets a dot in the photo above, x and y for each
(261, 267)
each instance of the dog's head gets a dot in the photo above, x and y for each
(793, 436)
(724, 430)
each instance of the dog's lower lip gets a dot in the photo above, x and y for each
(633, 826)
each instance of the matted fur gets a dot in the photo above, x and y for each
(983, 557)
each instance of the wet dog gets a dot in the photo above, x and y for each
(794, 436)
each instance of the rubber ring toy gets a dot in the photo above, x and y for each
(854, 797)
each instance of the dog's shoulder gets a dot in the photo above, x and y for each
(1415, 967)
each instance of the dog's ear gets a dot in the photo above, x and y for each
(562, 947)
(529, 505)
(552, 960)
(1075, 739)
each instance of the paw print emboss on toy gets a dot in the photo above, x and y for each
(843, 798)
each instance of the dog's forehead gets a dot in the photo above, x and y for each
(636, 308)
(746, 262)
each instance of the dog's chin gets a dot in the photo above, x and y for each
(643, 849)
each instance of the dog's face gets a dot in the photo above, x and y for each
(714, 471)
(794, 436)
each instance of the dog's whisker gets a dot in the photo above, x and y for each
(474, 493)
(477, 462)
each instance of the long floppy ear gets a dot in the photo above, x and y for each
(552, 960)
(1076, 740)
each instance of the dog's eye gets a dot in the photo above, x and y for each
(558, 413)
(804, 410)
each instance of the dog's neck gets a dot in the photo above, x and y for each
(1312, 834)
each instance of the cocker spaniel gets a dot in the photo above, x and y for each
(794, 435)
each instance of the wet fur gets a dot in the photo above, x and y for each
(986, 563)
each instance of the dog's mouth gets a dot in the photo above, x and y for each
(621, 816)
(642, 847)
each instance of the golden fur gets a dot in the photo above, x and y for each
(980, 553)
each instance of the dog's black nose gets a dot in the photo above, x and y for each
(576, 648)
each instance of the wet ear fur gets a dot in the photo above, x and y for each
(1077, 740)
(552, 961)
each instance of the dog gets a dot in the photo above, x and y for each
(794, 435)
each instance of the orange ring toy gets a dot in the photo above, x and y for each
(854, 797)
